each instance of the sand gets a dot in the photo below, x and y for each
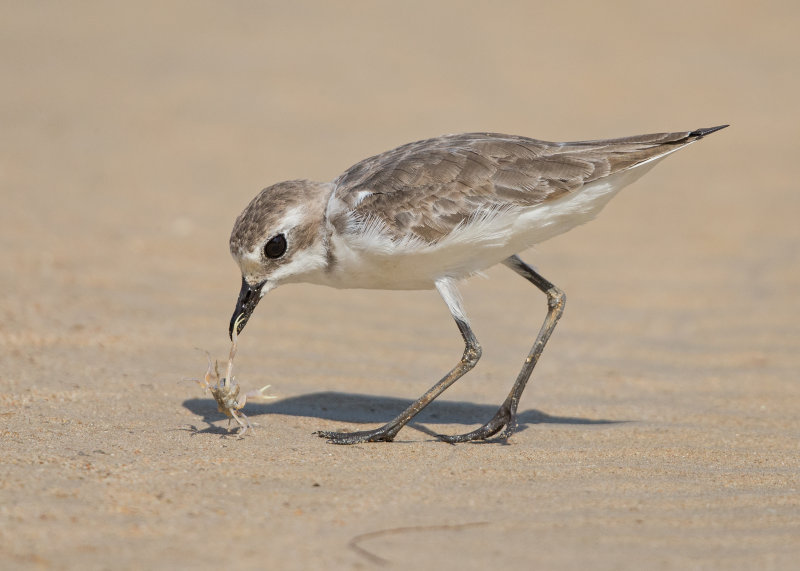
(661, 428)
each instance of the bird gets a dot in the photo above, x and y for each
(429, 214)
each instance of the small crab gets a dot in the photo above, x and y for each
(225, 390)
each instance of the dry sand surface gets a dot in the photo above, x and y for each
(661, 429)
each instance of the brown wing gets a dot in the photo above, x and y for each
(424, 189)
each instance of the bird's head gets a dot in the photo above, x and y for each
(277, 239)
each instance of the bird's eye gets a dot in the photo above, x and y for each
(276, 247)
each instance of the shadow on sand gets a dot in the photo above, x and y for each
(361, 408)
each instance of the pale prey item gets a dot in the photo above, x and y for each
(225, 390)
(428, 214)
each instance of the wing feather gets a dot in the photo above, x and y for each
(426, 189)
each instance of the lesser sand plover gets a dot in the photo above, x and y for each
(428, 214)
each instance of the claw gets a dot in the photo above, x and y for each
(259, 394)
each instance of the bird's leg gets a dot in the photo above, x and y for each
(505, 418)
(472, 352)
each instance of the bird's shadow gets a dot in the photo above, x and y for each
(361, 408)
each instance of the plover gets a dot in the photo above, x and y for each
(429, 214)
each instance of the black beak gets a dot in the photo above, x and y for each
(249, 296)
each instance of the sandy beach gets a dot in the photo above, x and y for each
(661, 429)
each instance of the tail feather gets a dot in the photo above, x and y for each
(700, 133)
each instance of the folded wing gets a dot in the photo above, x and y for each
(424, 190)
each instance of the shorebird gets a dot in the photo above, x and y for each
(429, 214)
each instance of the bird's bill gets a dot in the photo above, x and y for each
(249, 296)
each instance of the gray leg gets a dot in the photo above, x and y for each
(507, 414)
(472, 352)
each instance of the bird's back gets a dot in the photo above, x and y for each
(427, 188)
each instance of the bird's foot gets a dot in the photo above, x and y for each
(503, 424)
(383, 434)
